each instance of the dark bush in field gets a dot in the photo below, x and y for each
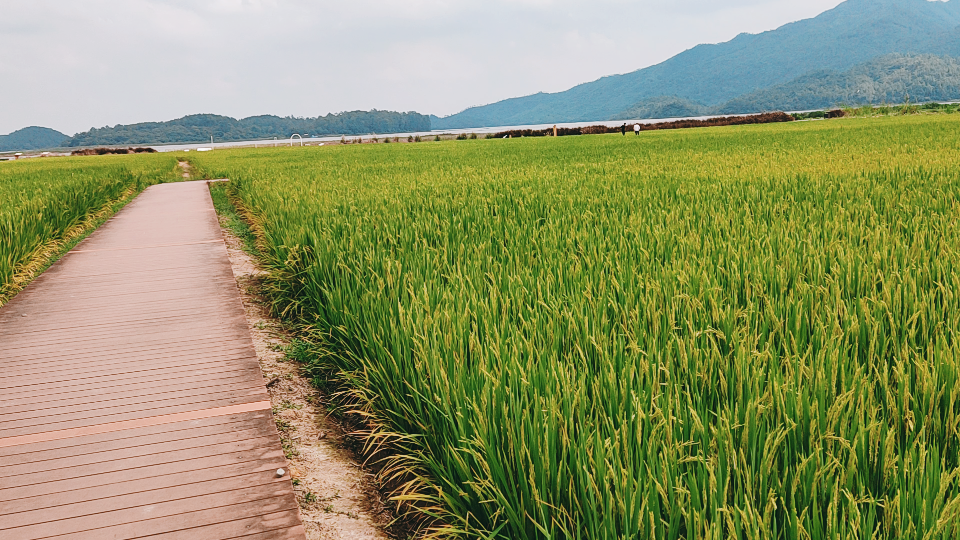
(809, 115)
(765, 118)
(105, 151)
(597, 130)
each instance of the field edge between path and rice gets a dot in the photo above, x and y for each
(338, 496)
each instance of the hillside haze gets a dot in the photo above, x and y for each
(709, 76)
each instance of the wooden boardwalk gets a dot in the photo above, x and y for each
(131, 400)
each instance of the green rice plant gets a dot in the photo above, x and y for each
(739, 332)
(904, 109)
(42, 199)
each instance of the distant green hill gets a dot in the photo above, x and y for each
(200, 127)
(852, 34)
(32, 138)
(888, 79)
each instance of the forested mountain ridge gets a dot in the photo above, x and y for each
(200, 127)
(889, 79)
(853, 33)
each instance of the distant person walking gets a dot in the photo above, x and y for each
(623, 129)
(636, 129)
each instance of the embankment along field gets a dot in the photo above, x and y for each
(42, 200)
(740, 332)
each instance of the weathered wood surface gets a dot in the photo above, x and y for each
(131, 399)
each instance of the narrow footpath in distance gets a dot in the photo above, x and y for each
(131, 400)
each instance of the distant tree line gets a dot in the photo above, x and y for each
(199, 128)
(111, 151)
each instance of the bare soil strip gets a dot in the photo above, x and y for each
(186, 168)
(338, 500)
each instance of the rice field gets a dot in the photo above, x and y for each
(42, 199)
(746, 332)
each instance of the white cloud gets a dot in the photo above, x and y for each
(73, 65)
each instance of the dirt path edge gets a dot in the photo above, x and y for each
(338, 499)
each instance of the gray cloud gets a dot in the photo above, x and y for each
(88, 63)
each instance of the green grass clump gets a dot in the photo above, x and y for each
(867, 111)
(42, 199)
(744, 332)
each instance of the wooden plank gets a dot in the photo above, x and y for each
(151, 475)
(282, 525)
(57, 499)
(108, 371)
(124, 421)
(213, 424)
(84, 401)
(135, 407)
(141, 445)
(102, 393)
(164, 516)
(142, 350)
(121, 459)
(130, 382)
(234, 488)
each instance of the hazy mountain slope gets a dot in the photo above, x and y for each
(850, 34)
(200, 127)
(888, 79)
(946, 43)
(32, 138)
(663, 107)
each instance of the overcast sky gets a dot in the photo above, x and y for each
(76, 64)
